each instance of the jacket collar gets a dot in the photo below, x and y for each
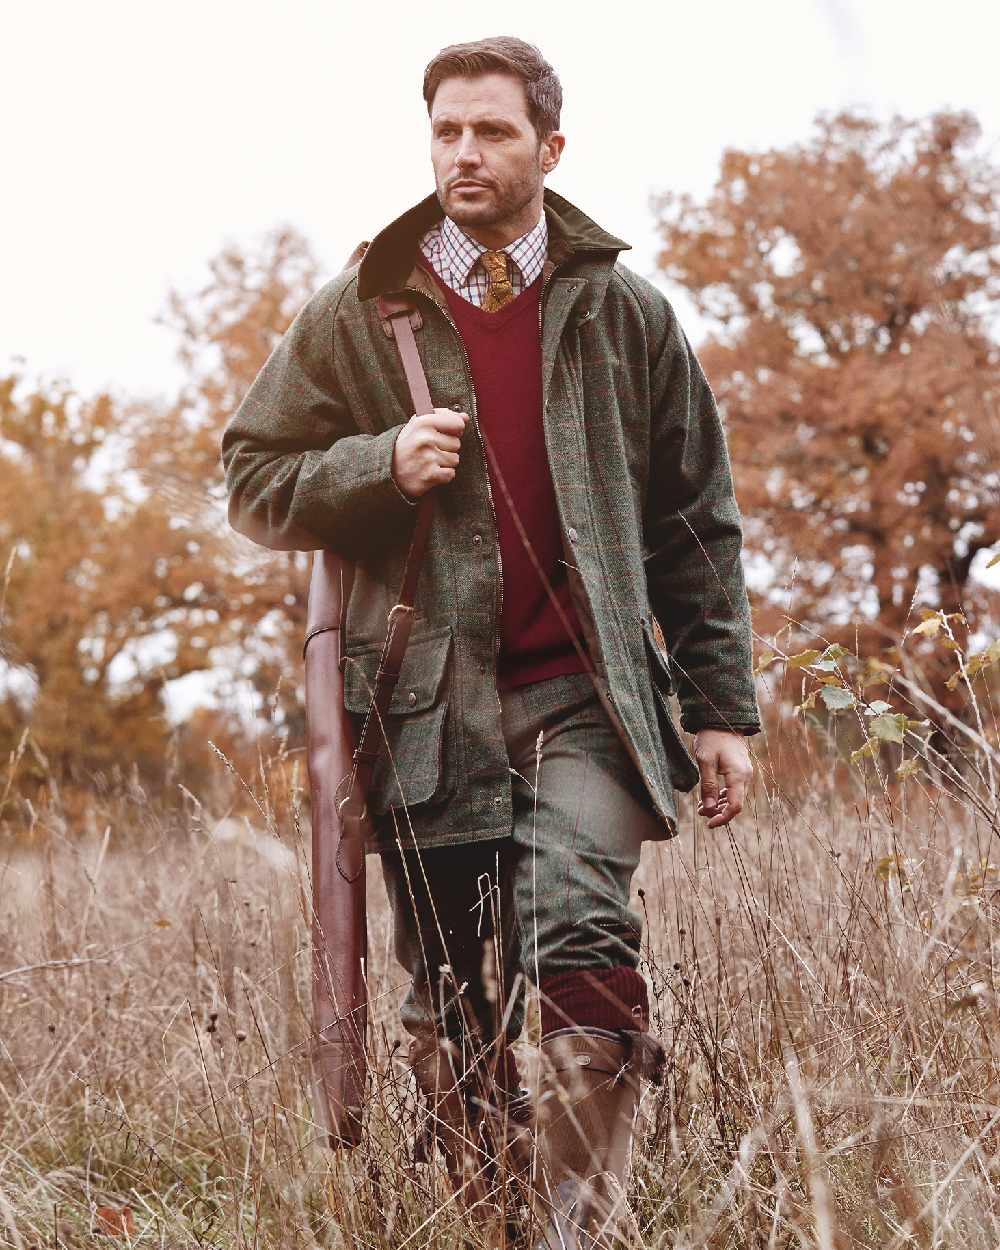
(389, 261)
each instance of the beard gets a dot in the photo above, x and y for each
(489, 207)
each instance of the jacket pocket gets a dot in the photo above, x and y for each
(684, 773)
(409, 767)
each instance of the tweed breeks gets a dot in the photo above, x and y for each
(473, 921)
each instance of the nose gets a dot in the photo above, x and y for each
(467, 156)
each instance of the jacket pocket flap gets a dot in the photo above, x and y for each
(420, 677)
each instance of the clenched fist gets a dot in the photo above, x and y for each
(425, 454)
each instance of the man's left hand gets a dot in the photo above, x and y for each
(724, 763)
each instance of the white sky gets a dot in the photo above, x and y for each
(137, 139)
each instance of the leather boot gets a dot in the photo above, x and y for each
(444, 1078)
(587, 1100)
(507, 1129)
(483, 1123)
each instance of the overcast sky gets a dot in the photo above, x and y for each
(140, 138)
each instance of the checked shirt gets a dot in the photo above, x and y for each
(455, 258)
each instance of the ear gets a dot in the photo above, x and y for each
(552, 149)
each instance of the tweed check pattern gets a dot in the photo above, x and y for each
(642, 481)
(457, 259)
(555, 894)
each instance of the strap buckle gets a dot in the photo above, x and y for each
(343, 803)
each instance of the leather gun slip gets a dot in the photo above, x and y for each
(340, 774)
(339, 927)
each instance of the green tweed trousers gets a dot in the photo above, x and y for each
(474, 922)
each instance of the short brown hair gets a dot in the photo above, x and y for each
(505, 55)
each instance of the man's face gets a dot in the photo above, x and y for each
(489, 163)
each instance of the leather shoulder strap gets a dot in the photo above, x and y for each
(399, 315)
(401, 616)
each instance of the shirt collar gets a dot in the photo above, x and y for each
(462, 252)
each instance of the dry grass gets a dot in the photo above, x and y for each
(822, 975)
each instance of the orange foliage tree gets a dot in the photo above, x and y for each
(225, 332)
(851, 287)
(107, 594)
(121, 573)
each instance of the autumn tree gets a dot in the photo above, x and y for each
(225, 331)
(851, 288)
(122, 574)
(108, 594)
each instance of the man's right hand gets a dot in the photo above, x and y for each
(425, 453)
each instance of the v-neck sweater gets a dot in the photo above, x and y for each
(505, 356)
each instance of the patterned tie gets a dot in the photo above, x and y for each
(499, 293)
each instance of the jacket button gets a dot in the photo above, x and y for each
(411, 698)
(572, 534)
(477, 539)
(457, 407)
(497, 801)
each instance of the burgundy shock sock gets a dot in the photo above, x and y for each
(596, 998)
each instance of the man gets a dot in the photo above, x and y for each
(581, 489)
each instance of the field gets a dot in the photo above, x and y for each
(822, 972)
(823, 979)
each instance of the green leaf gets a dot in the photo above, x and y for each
(930, 627)
(878, 707)
(836, 698)
(802, 659)
(908, 767)
(889, 727)
(825, 666)
(993, 560)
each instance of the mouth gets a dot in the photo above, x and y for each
(468, 186)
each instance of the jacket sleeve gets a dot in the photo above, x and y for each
(300, 474)
(693, 537)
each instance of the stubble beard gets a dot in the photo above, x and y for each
(498, 208)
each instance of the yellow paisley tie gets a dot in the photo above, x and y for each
(499, 293)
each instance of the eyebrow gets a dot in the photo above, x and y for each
(447, 120)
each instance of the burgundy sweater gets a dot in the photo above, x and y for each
(505, 355)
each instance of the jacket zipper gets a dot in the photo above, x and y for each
(541, 300)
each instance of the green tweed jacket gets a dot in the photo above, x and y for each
(642, 481)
